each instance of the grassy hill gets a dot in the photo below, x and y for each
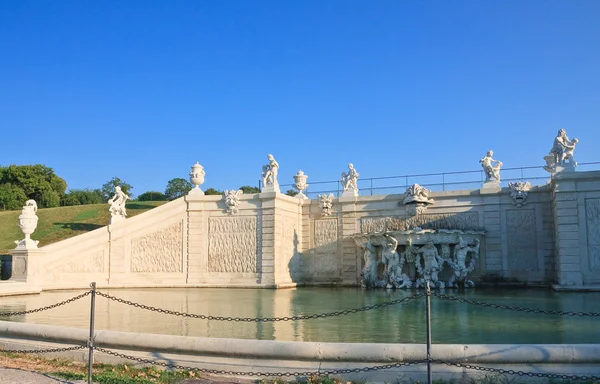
(60, 223)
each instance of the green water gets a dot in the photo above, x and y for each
(452, 322)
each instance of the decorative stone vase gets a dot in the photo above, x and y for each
(300, 184)
(197, 178)
(28, 221)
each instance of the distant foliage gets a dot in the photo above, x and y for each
(291, 192)
(19, 183)
(11, 197)
(248, 190)
(108, 189)
(82, 197)
(177, 187)
(152, 196)
(212, 191)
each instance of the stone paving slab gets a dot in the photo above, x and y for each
(21, 376)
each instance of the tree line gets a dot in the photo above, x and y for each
(19, 183)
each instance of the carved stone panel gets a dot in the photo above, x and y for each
(521, 235)
(86, 264)
(592, 217)
(232, 244)
(326, 246)
(289, 237)
(463, 221)
(161, 251)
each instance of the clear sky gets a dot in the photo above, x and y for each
(144, 89)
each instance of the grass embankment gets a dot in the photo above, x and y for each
(60, 223)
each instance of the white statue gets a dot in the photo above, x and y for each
(326, 204)
(269, 175)
(562, 150)
(491, 167)
(416, 199)
(197, 178)
(518, 192)
(117, 204)
(28, 223)
(393, 263)
(300, 184)
(432, 265)
(459, 263)
(232, 200)
(350, 181)
(369, 271)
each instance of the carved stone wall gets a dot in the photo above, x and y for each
(93, 263)
(463, 221)
(592, 217)
(161, 251)
(232, 244)
(325, 242)
(521, 236)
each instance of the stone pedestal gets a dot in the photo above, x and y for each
(491, 184)
(350, 193)
(27, 266)
(567, 167)
(270, 188)
(196, 192)
(115, 219)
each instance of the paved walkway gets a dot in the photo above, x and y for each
(20, 376)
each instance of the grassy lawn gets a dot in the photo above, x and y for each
(60, 223)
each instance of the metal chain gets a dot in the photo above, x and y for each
(49, 350)
(520, 373)
(514, 308)
(263, 319)
(262, 374)
(72, 299)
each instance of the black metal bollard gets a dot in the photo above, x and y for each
(91, 339)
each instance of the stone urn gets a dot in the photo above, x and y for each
(28, 221)
(300, 184)
(197, 178)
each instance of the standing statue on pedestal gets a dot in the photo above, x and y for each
(491, 167)
(459, 263)
(432, 265)
(350, 181)
(269, 175)
(117, 205)
(28, 223)
(562, 150)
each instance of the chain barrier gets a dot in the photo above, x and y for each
(514, 308)
(72, 299)
(262, 319)
(48, 350)
(519, 373)
(261, 374)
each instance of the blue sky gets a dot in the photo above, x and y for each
(144, 89)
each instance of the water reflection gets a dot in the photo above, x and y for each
(452, 322)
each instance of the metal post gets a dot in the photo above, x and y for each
(428, 322)
(91, 340)
(371, 187)
(521, 173)
(443, 181)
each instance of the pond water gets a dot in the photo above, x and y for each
(452, 322)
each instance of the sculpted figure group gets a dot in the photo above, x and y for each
(428, 264)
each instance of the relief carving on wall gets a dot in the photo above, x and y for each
(592, 217)
(325, 241)
(518, 192)
(161, 251)
(521, 235)
(92, 263)
(462, 221)
(232, 244)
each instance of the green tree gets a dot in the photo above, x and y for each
(11, 197)
(177, 187)
(82, 197)
(38, 182)
(291, 192)
(152, 196)
(212, 191)
(108, 189)
(248, 190)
